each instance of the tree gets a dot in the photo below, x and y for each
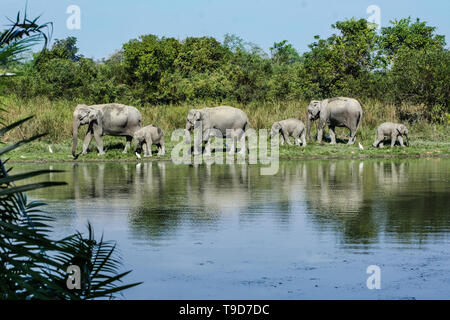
(146, 60)
(198, 55)
(284, 53)
(423, 77)
(335, 62)
(66, 49)
(405, 35)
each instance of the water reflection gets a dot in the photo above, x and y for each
(360, 202)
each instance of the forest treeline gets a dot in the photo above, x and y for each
(405, 64)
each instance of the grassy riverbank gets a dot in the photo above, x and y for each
(39, 152)
(55, 118)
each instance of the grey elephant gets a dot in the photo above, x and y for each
(290, 128)
(335, 112)
(396, 131)
(149, 135)
(105, 119)
(218, 121)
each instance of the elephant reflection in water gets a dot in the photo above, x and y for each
(343, 187)
(335, 187)
(336, 197)
(218, 187)
(242, 191)
(346, 193)
(107, 186)
(159, 194)
(390, 174)
(149, 182)
(88, 181)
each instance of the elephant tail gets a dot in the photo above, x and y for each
(358, 121)
(246, 126)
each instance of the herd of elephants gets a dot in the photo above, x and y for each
(122, 120)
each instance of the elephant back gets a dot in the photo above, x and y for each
(119, 118)
(226, 117)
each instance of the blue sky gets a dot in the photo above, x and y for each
(107, 24)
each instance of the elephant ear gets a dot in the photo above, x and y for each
(197, 115)
(404, 129)
(92, 115)
(317, 105)
(95, 117)
(82, 111)
(278, 126)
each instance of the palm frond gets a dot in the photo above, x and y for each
(21, 35)
(32, 265)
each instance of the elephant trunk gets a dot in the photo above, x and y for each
(76, 125)
(308, 127)
(188, 134)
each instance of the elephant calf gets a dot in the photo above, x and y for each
(289, 127)
(394, 130)
(149, 135)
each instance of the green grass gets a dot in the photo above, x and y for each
(39, 151)
(55, 118)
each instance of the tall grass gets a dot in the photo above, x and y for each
(55, 117)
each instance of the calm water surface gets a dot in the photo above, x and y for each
(226, 232)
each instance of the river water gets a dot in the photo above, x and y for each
(227, 232)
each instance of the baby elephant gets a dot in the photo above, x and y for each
(149, 135)
(393, 130)
(290, 127)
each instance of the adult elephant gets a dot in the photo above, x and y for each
(223, 120)
(335, 112)
(105, 119)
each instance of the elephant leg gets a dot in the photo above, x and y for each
(127, 144)
(281, 140)
(352, 138)
(99, 140)
(241, 137)
(377, 141)
(332, 135)
(148, 145)
(286, 137)
(320, 132)
(144, 148)
(319, 135)
(296, 136)
(393, 140)
(86, 142)
(208, 147)
(400, 139)
(303, 137)
(149, 148)
(381, 145)
(233, 144)
(162, 148)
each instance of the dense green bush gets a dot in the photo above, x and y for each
(423, 77)
(405, 63)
